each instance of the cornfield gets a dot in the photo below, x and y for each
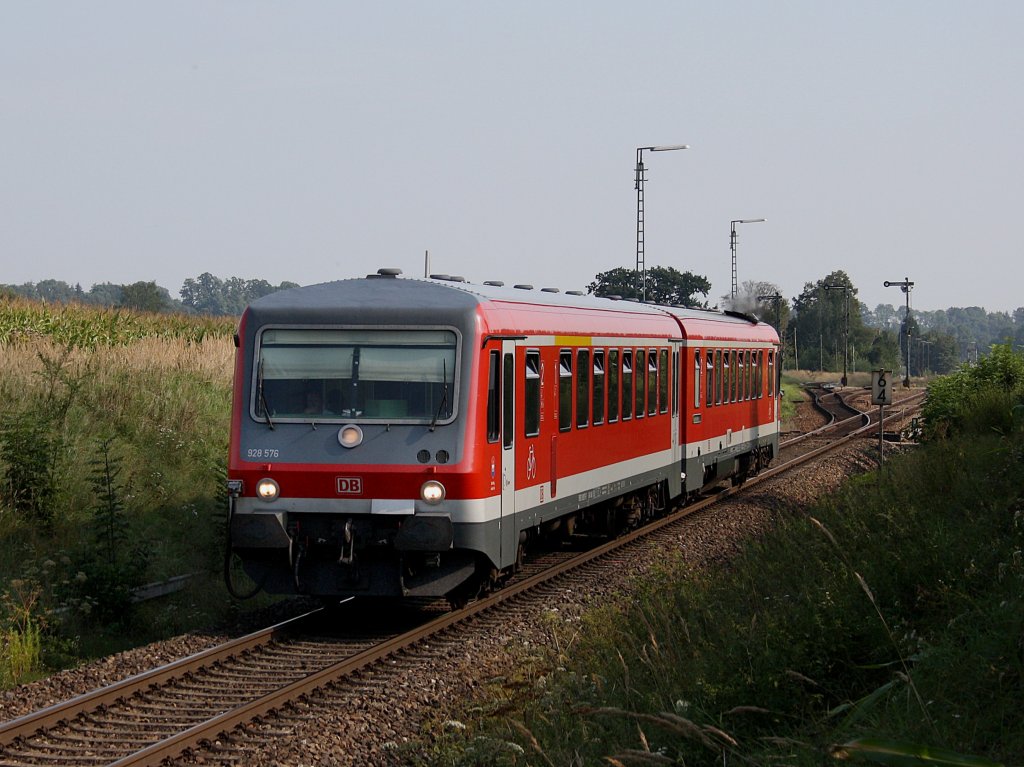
(79, 327)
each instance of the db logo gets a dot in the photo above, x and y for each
(350, 485)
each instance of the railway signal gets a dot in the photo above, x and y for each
(906, 286)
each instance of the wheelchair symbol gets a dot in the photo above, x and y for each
(531, 465)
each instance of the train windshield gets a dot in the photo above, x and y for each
(393, 375)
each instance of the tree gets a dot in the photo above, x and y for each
(208, 294)
(751, 300)
(105, 294)
(145, 297)
(665, 285)
(820, 322)
(203, 294)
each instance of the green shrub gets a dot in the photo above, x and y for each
(976, 399)
(29, 450)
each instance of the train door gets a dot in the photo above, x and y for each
(509, 535)
(679, 389)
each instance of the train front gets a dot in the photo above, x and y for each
(350, 471)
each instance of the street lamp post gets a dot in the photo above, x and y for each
(846, 326)
(906, 286)
(641, 265)
(732, 245)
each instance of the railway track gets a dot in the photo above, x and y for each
(187, 707)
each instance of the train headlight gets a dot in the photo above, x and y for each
(350, 435)
(432, 492)
(267, 490)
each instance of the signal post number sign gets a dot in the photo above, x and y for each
(881, 387)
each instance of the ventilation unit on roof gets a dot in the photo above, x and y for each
(574, 292)
(549, 290)
(494, 283)
(523, 287)
(386, 272)
(440, 276)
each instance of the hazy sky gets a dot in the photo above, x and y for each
(309, 141)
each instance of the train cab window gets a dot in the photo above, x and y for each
(613, 385)
(598, 386)
(493, 398)
(508, 378)
(393, 375)
(582, 388)
(641, 383)
(531, 390)
(663, 380)
(564, 391)
(627, 384)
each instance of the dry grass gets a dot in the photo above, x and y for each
(210, 359)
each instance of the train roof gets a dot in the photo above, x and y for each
(399, 299)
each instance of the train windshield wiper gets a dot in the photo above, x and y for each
(444, 393)
(262, 397)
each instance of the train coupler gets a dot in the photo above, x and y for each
(348, 545)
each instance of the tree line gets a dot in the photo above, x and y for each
(822, 328)
(205, 294)
(827, 325)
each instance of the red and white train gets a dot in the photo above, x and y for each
(411, 437)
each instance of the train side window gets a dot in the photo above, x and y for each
(709, 374)
(652, 381)
(696, 380)
(757, 373)
(532, 390)
(762, 358)
(613, 385)
(598, 386)
(564, 391)
(582, 388)
(677, 368)
(726, 377)
(663, 376)
(508, 400)
(493, 398)
(751, 391)
(627, 384)
(641, 383)
(741, 371)
(718, 376)
(771, 373)
(733, 381)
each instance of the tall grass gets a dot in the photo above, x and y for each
(147, 393)
(884, 625)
